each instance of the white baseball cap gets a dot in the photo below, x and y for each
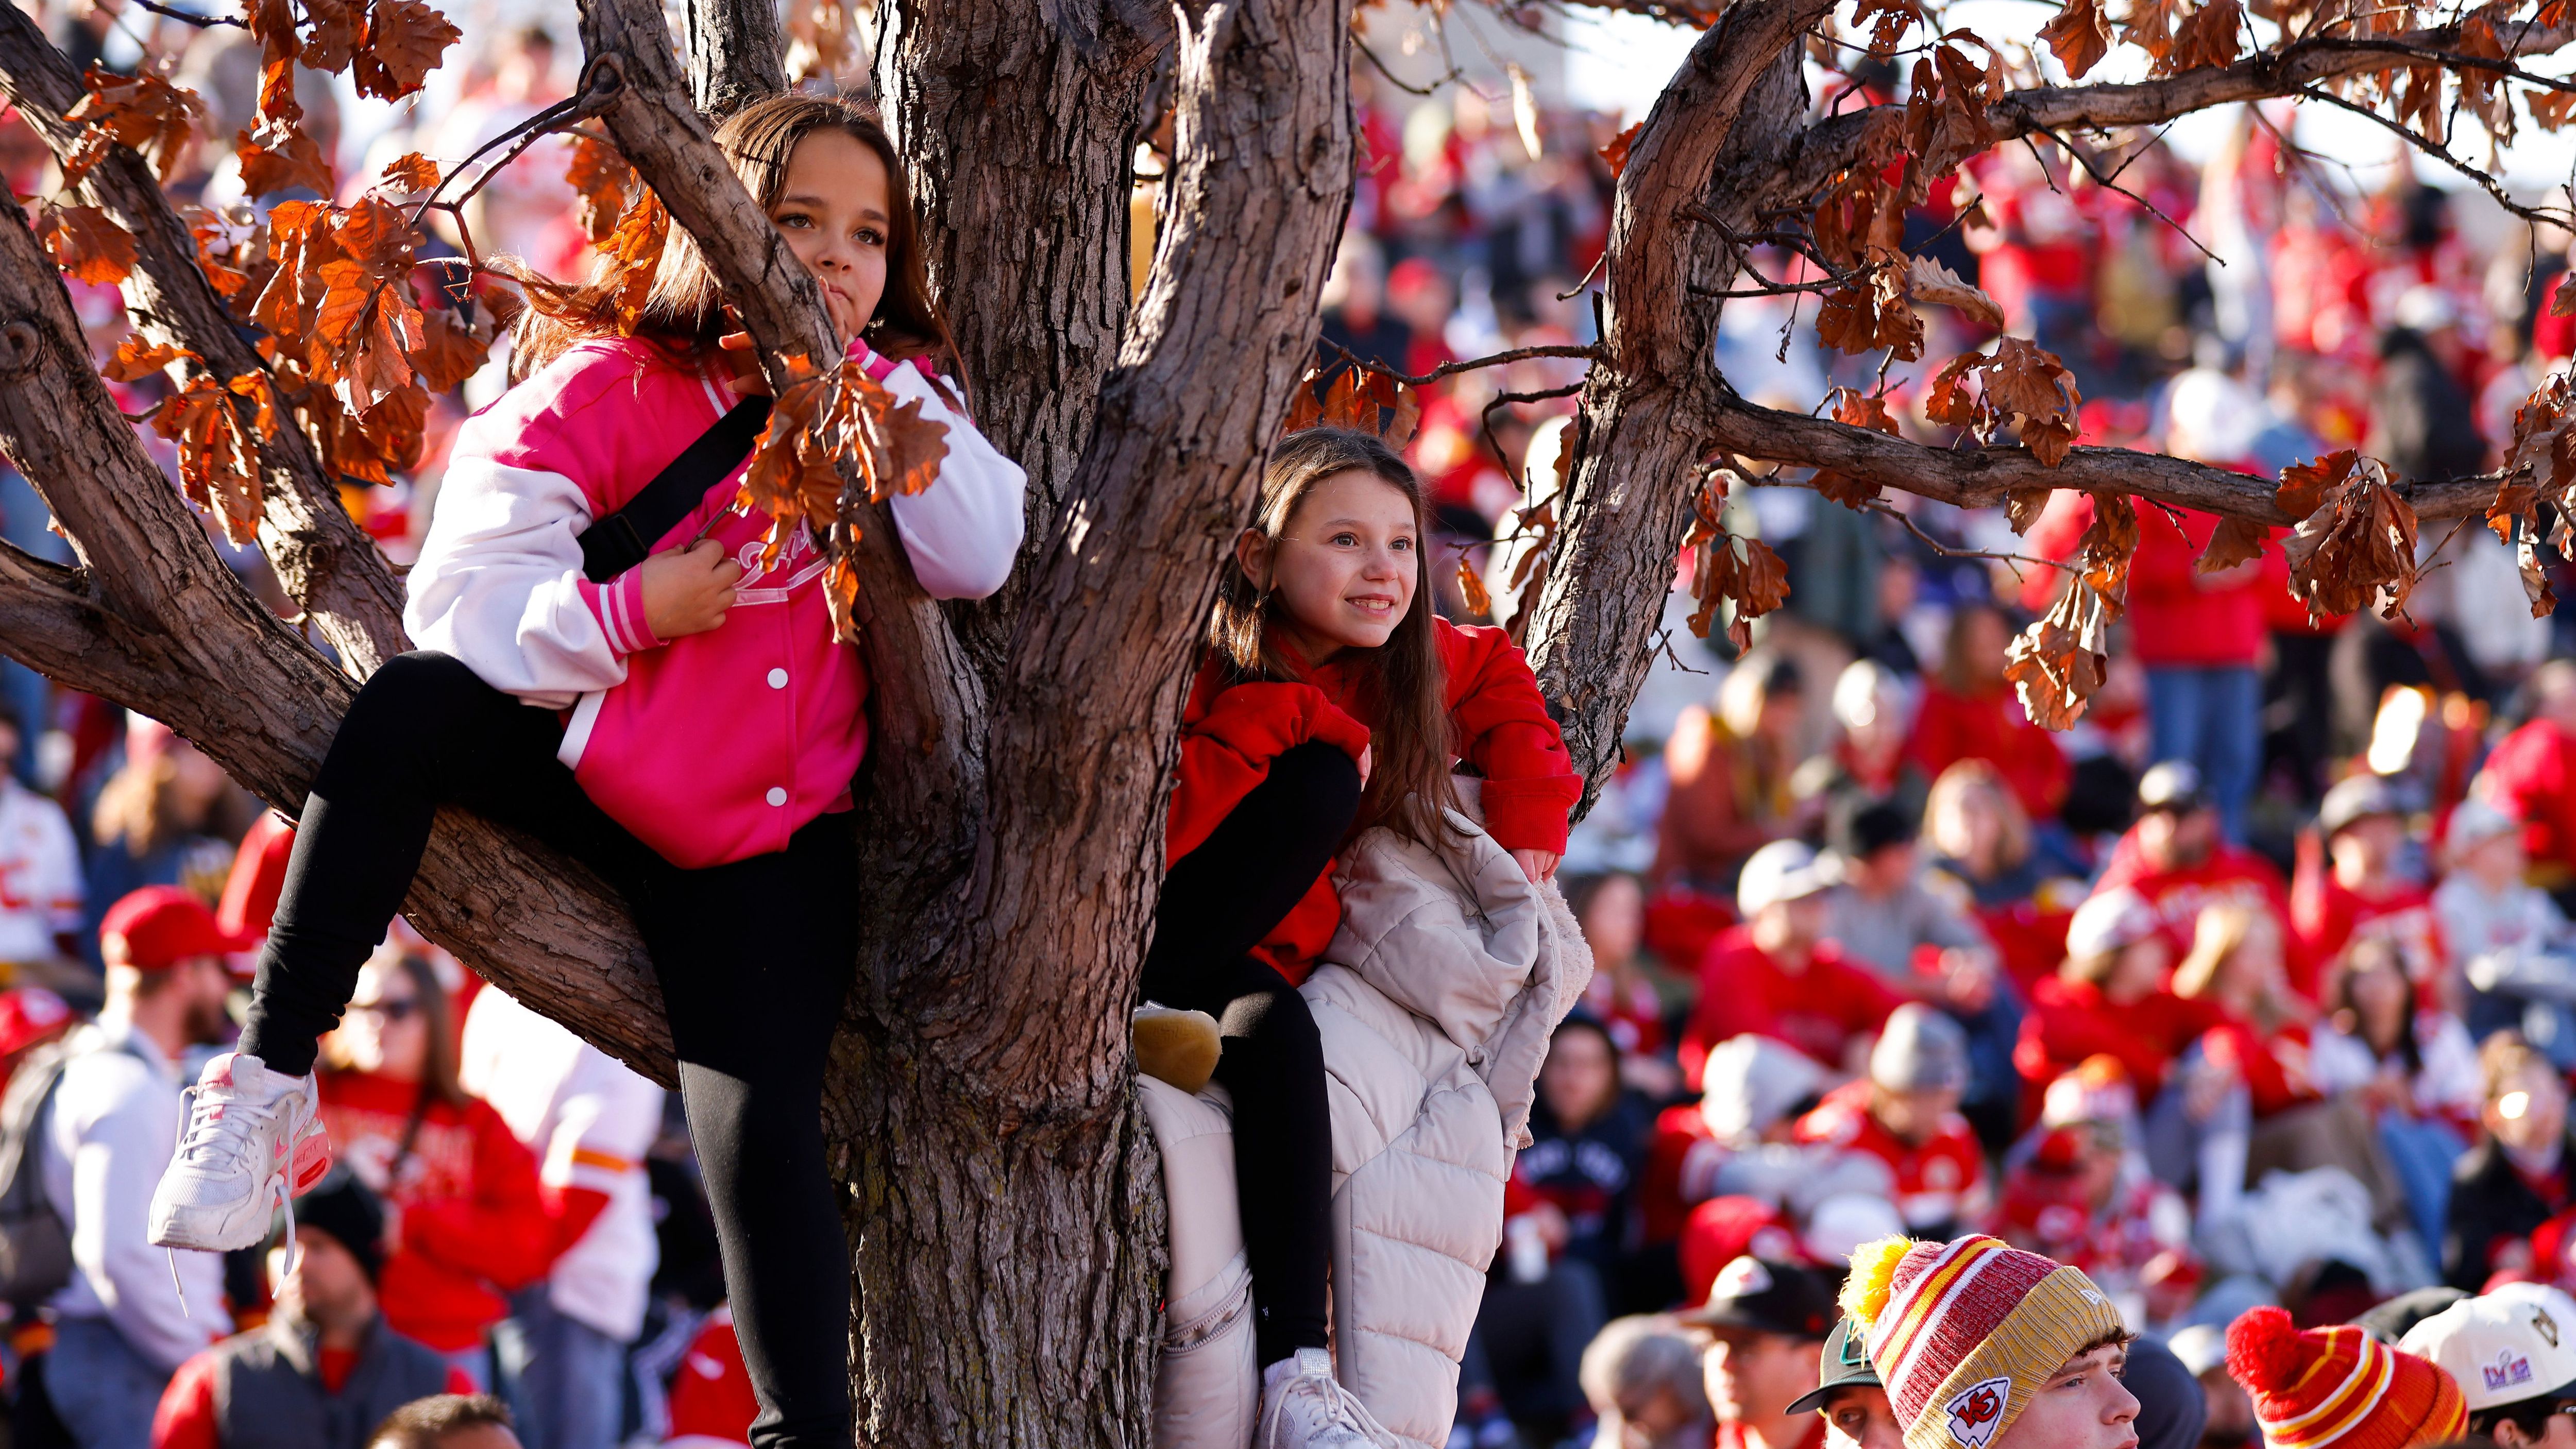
(2109, 921)
(2503, 1348)
(1784, 870)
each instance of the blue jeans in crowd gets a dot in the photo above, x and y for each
(567, 1380)
(103, 1391)
(2421, 1151)
(2213, 719)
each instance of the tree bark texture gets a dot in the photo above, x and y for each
(736, 54)
(1017, 139)
(326, 563)
(995, 1081)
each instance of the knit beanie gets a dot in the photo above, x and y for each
(342, 1206)
(1964, 1333)
(2339, 1386)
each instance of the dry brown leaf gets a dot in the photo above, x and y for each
(339, 31)
(2357, 546)
(86, 245)
(2108, 545)
(1871, 314)
(2209, 38)
(1860, 410)
(218, 469)
(1615, 154)
(635, 250)
(143, 111)
(452, 349)
(2057, 663)
(1889, 20)
(1928, 281)
(405, 41)
(1305, 407)
(2234, 542)
(411, 173)
(2079, 36)
(2022, 506)
(603, 181)
(2021, 386)
(1471, 586)
(2304, 486)
(137, 359)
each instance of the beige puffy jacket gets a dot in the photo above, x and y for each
(1435, 1003)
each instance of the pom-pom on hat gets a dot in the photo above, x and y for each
(1964, 1333)
(2339, 1386)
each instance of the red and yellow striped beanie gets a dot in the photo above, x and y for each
(1964, 1333)
(2339, 1386)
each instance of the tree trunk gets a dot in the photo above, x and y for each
(1017, 134)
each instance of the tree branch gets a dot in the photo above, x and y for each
(326, 563)
(155, 622)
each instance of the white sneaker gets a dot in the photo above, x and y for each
(251, 1141)
(1304, 1407)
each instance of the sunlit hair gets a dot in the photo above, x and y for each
(2502, 1059)
(1404, 685)
(1945, 813)
(684, 314)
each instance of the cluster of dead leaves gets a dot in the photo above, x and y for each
(624, 221)
(2211, 35)
(823, 41)
(1742, 572)
(2021, 386)
(819, 422)
(145, 112)
(2540, 467)
(1362, 400)
(2355, 542)
(2057, 663)
(218, 457)
(389, 47)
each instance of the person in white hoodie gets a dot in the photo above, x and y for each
(589, 1121)
(132, 1313)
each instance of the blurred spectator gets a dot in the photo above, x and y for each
(468, 1221)
(448, 1421)
(1588, 1145)
(1624, 994)
(1848, 1395)
(1905, 1113)
(2177, 860)
(133, 1313)
(2023, 892)
(2227, 1420)
(324, 1369)
(2532, 776)
(588, 1121)
(2360, 893)
(2107, 998)
(1867, 759)
(1970, 713)
(2415, 1070)
(1777, 975)
(1730, 771)
(160, 820)
(40, 873)
(1642, 1378)
(2507, 940)
(2515, 1178)
(1766, 1321)
(1755, 1089)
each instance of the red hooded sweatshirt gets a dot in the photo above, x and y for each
(1498, 723)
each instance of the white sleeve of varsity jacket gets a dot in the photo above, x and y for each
(963, 531)
(499, 583)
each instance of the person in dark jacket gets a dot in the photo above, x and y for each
(324, 1370)
(2517, 1177)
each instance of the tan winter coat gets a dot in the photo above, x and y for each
(1435, 1003)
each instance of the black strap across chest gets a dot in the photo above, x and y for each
(618, 541)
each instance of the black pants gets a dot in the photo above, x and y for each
(1218, 902)
(754, 958)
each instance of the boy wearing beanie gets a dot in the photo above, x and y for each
(1983, 1346)
(2339, 1386)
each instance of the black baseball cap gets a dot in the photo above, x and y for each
(1765, 1295)
(1843, 1365)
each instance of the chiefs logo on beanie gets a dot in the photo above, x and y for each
(2339, 1386)
(1964, 1333)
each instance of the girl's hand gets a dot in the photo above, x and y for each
(1364, 765)
(1538, 865)
(743, 356)
(687, 590)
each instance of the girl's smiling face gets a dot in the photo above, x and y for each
(836, 209)
(1345, 567)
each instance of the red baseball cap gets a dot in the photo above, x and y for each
(158, 927)
(29, 1015)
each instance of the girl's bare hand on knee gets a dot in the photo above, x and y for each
(687, 590)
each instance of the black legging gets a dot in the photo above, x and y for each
(1218, 902)
(754, 958)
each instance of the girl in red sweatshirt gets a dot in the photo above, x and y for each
(466, 1221)
(1332, 699)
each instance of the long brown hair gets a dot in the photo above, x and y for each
(684, 313)
(1408, 784)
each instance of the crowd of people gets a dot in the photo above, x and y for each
(2253, 997)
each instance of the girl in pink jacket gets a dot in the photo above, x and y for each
(688, 726)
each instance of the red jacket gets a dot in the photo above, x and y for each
(2274, 1068)
(1991, 727)
(1820, 1010)
(1498, 723)
(2534, 771)
(2230, 874)
(1939, 1182)
(475, 1222)
(2070, 1020)
(189, 1418)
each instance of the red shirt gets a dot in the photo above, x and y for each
(186, 1417)
(1938, 1182)
(2071, 1020)
(2274, 1068)
(475, 1222)
(1681, 1163)
(2534, 771)
(1498, 722)
(2326, 916)
(2229, 874)
(1820, 1010)
(1991, 727)
(1730, 1435)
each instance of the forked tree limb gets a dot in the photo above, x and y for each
(152, 620)
(736, 54)
(326, 563)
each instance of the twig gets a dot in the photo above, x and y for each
(1392, 79)
(2113, 184)
(1485, 419)
(2485, 182)
(1590, 352)
(173, 12)
(2009, 560)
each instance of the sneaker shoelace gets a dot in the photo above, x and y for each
(1346, 1410)
(228, 1121)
